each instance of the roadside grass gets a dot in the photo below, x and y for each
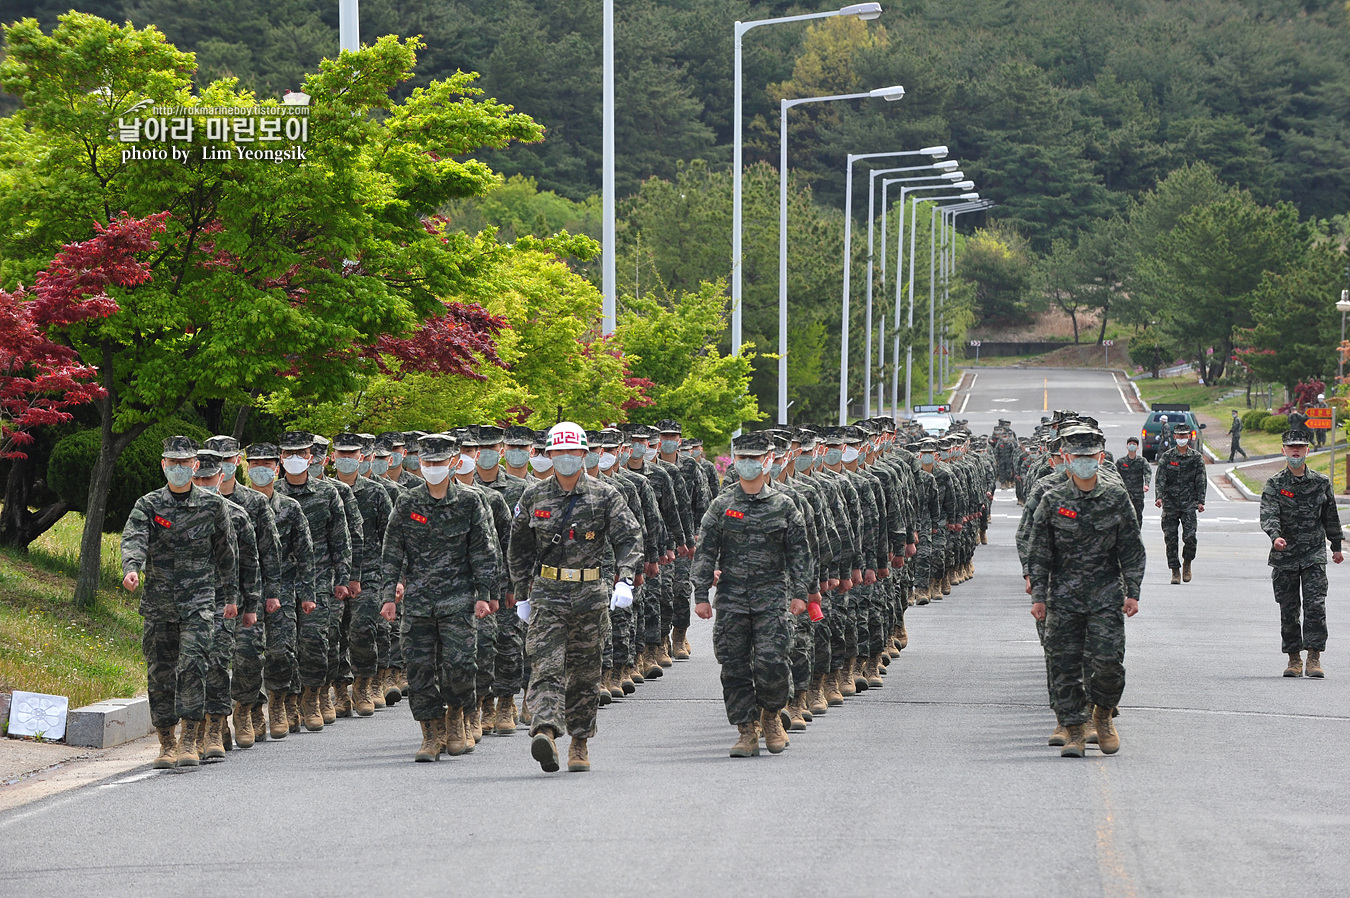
(46, 643)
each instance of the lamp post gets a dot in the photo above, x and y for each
(609, 279)
(1343, 307)
(931, 322)
(934, 152)
(863, 11)
(948, 264)
(947, 175)
(890, 94)
(349, 29)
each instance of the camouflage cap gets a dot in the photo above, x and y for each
(854, 434)
(690, 443)
(179, 447)
(1181, 427)
(487, 435)
(410, 438)
(320, 445)
(384, 445)
(208, 463)
(225, 445)
(464, 435)
(263, 452)
(540, 440)
(782, 440)
(517, 435)
(669, 425)
(391, 438)
(805, 436)
(643, 432)
(754, 443)
(593, 439)
(1132, 439)
(610, 438)
(367, 443)
(1081, 439)
(437, 447)
(1296, 436)
(833, 436)
(346, 442)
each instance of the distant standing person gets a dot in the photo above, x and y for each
(1181, 487)
(1319, 434)
(1235, 429)
(1135, 474)
(1298, 513)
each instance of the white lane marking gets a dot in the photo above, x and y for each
(1002, 400)
(1119, 390)
(1219, 489)
(966, 401)
(130, 779)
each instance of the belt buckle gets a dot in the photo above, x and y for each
(570, 574)
(548, 573)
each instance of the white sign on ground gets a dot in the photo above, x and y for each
(35, 714)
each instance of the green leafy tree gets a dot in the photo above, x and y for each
(266, 275)
(997, 263)
(1297, 326)
(675, 348)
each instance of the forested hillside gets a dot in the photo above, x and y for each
(1068, 113)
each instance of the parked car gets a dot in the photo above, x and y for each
(1156, 435)
(934, 419)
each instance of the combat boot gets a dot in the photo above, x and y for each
(859, 678)
(363, 702)
(680, 645)
(663, 656)
(187, 756)
(293, 718)
(525, 715)
(243, 725)
(1315, 664)
(923, 594)
(873, 674)
(343, 706)
(1075, 747)
(486, 716)
(833, 694)
(327, 710)
(1295, 668)
(816, 696)
(578, 761)
(796, 721)
(473, 727)
(505, 724)
(279, 722)
(638, 667)
(805, 708)
(603, 693)
(402, 676)
(653, 670)
(544, 749)
(1089, 732)
(430, 749)
(775, 739)
(452, 729)
(376, 687)
(202, 729)
(392, 694)
(1108, 740)
(1186, 571)
(946, 585)
(1176, 576)
(685, 647)
(309, 709)
(984, 537)
(168, 745)
(1060, 735)
(629, 681)
(259, 723)
(748, 745)
(904, 637)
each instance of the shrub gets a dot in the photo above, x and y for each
(1253, 419)
(1275, 424)
(136, 473)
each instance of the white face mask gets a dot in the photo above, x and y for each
(650, 454)
(607, 460)
(464, 465)
(436, 473)
(1183, 441)
(850, 454)
(295, 464)
(541, 464)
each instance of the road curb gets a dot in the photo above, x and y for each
(109, 723)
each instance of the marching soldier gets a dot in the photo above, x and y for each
(1298, 513)
(181, 540)
(1135, 473)
(1181, 486)
(556, 551)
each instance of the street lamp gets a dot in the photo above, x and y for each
(1343, 307)
(349, 29)
(948, 259)
(871, 218)
(863, 11)
(608, 277)
(931, 322)
(890, 94)
(938, 152)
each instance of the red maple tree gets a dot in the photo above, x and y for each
(455, 341)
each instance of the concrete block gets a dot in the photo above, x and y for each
(4, 709)
(108, 723)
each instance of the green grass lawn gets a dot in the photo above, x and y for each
(46, 643)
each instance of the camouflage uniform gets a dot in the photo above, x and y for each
(218, 692)
(362, 613)
(251, 643)
(184, 549)
(340, 621)
(759, 544)
(297, 587)
(1181, 485)
(1136, 475)
(1302, 510)
(444, 552)
(508, 662)
(1085, 558)
(568, 617)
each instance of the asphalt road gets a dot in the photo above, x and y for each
(1231, 780)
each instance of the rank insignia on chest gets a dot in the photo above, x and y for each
(733, 513)
(543, 513)
(1288, 493)
(1069, 513)
(419, 518)
(1175, 464)
(163, 522)
(590, 534)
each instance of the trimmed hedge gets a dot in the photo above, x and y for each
(1275, 424)
(136, 473)
(1253, 419)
